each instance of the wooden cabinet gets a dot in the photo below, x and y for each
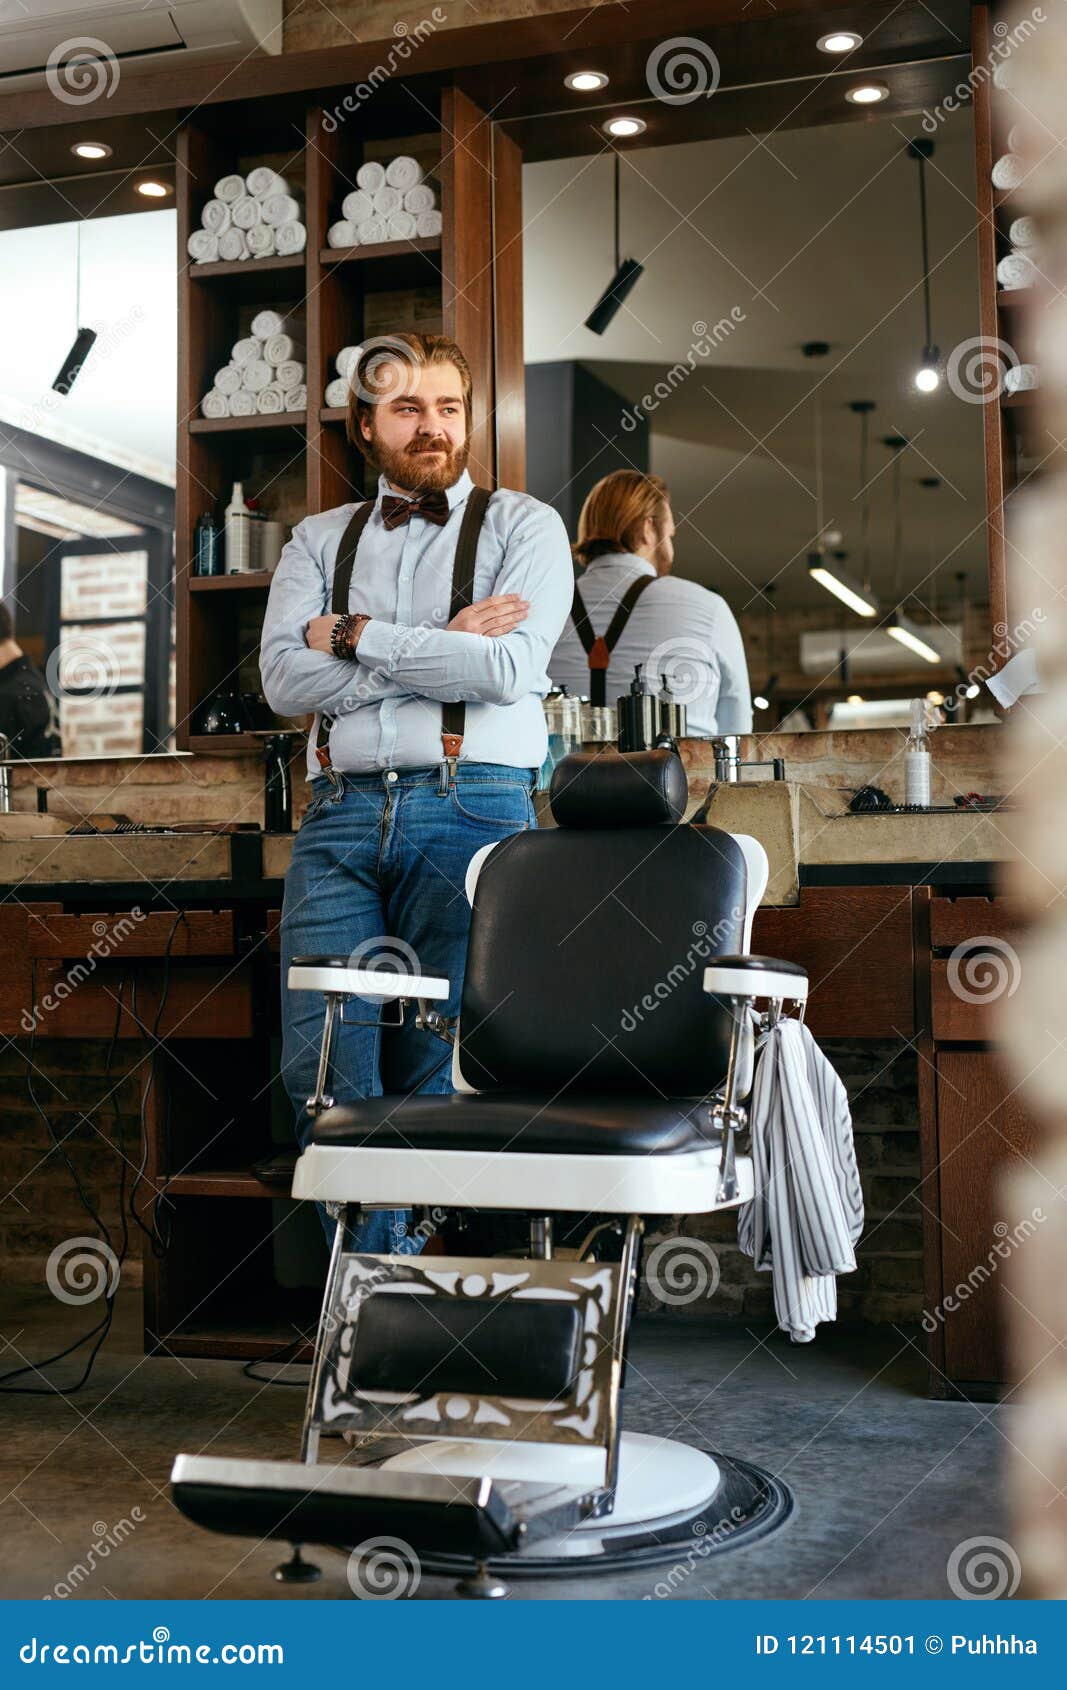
(981, 1130)
(856, 944)
(972, 1127)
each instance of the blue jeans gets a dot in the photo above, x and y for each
(378, 868)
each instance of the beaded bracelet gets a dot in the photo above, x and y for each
(343, 634)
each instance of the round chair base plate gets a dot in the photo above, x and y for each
(746, 1504)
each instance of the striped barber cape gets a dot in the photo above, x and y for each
(807, 1212)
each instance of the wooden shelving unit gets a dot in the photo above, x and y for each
(1013, 423)
(462, 284)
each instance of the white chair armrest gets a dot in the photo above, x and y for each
(366, 983)
(755, 977)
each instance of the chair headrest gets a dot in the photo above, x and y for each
(619, 789)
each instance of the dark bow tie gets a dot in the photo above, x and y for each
(433, 505)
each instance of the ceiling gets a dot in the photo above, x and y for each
(805, 235)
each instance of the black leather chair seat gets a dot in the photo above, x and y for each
(579, 1125)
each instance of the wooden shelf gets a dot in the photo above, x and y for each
(1019, 401)
(333, 414)
(224, 268)
(396, 264)
(224, 744)
(220, 1182)
(244, 281)
(242, 425)
(1014, 299)
(254, 581)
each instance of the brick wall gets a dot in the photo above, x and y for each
(39, 1204)
(41, 1208)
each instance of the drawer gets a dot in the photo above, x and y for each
(966, 993)
(856, 944)
(127, 933)
(953, 921)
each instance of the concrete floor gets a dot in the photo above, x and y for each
(886, 1482)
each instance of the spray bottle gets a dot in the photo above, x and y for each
(924, 719)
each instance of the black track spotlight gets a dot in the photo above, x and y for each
(627, 273)
(71, 367)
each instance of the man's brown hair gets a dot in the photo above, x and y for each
(615, 512)
(375, 378)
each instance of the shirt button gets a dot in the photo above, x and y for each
(392, 775)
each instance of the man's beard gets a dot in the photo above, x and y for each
(411, 468)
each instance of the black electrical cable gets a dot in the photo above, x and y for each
(158, 1241)
(103, 1326)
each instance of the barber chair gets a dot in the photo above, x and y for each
(600, 1062)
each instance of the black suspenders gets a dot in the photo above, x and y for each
(598, 649)
(452, 715)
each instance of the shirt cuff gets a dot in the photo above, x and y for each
(378, 644)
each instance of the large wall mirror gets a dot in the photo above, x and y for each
(764, 364)
(87, 432)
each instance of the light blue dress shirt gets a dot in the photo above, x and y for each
(678, 629)
(386, 705)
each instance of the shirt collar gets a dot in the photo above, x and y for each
(454, 494)
(639, 565)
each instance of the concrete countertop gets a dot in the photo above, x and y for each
(801, 827)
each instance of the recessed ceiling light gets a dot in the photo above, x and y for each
(839, 41)
(91, 149)
(153, 190)
(867, 93)
(621, 127)
(585, 81)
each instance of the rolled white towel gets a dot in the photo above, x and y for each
(229, 188)
(346, 360)
(420, 198)
(261, 241)
(266, 323)
(233, 244)
(428, 225)
(256, 375)
(386, 201)
(403, 172)
(280, 208)
(281, 348)
(1016, 270)
(370, 177)
(228, 379)
(290, 238)
(371, 231)
(1020, 378)
(263, 181)
(336, 395)
(1023, 232)
(215, 405)
(242, 403)
(1009, 171)
(246, 212)
(401, 226)
(216, 216)
(342, 234)
(270, 400)
(288, 375)
(243, 351)
(203, 247)
(357, 205)
(298, 398)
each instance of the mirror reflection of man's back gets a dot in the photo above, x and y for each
(26, 720)
(629, 611)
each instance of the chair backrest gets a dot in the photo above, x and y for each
(588, 944)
